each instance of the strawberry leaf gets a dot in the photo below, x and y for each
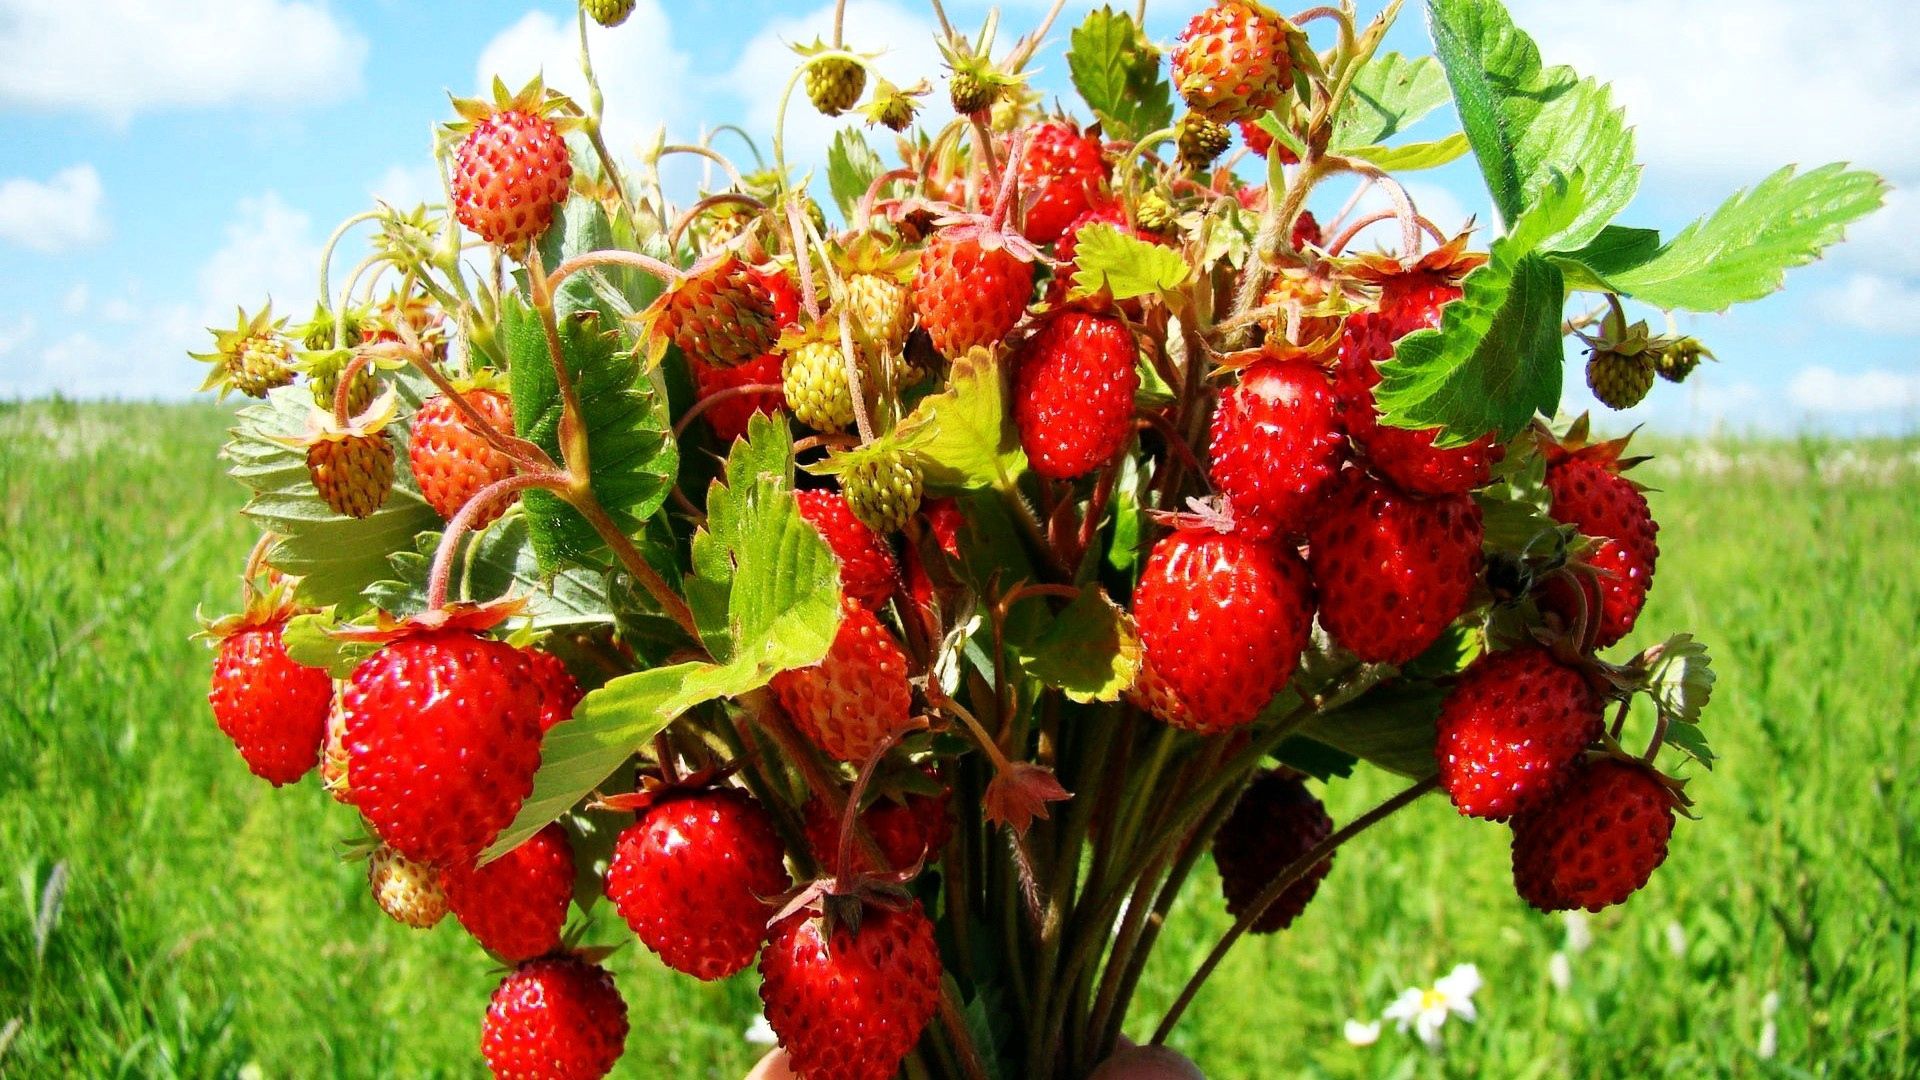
(1743, 250)
(1527, 122)
(308, 639)
(1124, 265)
(1391, 726)
(962, 437)
(494, 562)
(1117, 70)
(1681, 679)
(1389, 93)
(1413, 157)
(1090, 650)
(1495, 361)
(1616, 249)
(631, 450)
(334, 557)
(852, 166)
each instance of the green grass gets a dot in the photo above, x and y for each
(207, 924)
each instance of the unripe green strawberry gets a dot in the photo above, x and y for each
(608, 13)
(835, 84)
(1200, 141)
(353, 473)
(1678, 359)
(882, 314)
(323, 371)
(408, 892)
(970, 92)
(883, 489)
(1620, 380)
(253, 358)
(813, 377)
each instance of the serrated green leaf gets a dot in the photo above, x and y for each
(1743, 250)
(1692, 741)
(1389, 94)
(1118, 72)
(1124, 265)
(852, 167)
(1527, 122)
(765, 588)
(494, 562)
(630, 446)
(1090, 650)
(1495, 361)
(334, 557)
(1391, 726)
(1413, 157)
(1616, 249)
(1682, 678)
(309, 641)
(580, 226)
(962, 437)
(1315, 758)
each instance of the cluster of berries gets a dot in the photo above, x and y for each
(1300, 534)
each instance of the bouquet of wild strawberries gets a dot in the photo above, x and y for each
(907, 605)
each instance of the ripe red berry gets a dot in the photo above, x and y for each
(1073, 393)
(1277, 444)
(509, 174)
(868, 572)
(853, 1009)
(1589, 493)
(1393, 570)
(273, 709)
(1413, 300)
(694, 877)
(451, 461)
(722, 314)
(906, 830)
(1276, 821)
(1234, 62)
(1405, 457)
(729, 418)
(1224, 620)
(559, 691)
(556, 1018)
(1062, 170)
(1596, 842)
(856, 695)
(1512, 729)
(968, 295)
(516, 905)
(443, 739)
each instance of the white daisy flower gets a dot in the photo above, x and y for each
(1426, 1011)
(1360, 1034)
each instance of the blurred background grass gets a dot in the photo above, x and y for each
(162, 913)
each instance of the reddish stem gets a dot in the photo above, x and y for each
(483, 501)
(719, 396)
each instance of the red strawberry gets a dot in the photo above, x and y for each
(1412, 295)
(1277, 443)
(907, 830)
(868, 572)
(273, 709)
(1393, 570)
(947, 522)
(443, 739)
(1073, 393)
(1276, 821)
(1596, 842)
(557, 1018)
(1306, 231)
(729, 418)
(511, 169)
(451, 461)
(1590, 493)
(1511, 730)
(1403, 456)
(856, 695)
(694, 876)
(722, 313)
(1235, 61)
(852, 1009)
(1062, 170)
(969, 295)
(1224, 620)
(560, 693)
(516, 905)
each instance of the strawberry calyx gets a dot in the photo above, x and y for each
(1449, 264)
(470, 617)
(657, 787)
(264, 605)
(534, 99)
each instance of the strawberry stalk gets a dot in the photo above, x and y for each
(483, 503)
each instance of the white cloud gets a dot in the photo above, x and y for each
(404, 187)
(643, 78)
(768, 60)
(16, 332)
(120, 58)
(270, 251)
(1735, 88)
(59, 214)
(1884, 240)
(1876, 303)
(1821, 389)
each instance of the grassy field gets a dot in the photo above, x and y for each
(164, 914)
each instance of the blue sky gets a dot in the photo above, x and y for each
(163, 160)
